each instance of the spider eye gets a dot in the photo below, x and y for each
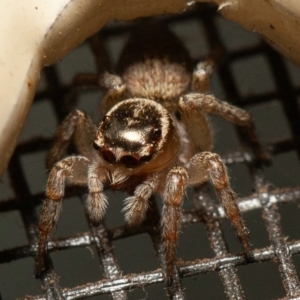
(105, 119)
(129, 161)
(106, 122)
(156, 133)
(96, 146)
(108, 156)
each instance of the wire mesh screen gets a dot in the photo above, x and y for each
(115, 261)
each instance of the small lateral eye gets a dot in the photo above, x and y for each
(129, 161)
(96, 146)
(108, 156)
(106, 122)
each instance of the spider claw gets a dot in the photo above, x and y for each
(169, 281)
(249, 256)
(42, 264)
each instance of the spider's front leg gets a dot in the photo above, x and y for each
(207, 165)
(76, 170)
(171, 216)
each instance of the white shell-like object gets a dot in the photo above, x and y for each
(277, 20)
(37, 33)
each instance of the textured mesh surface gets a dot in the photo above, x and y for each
(114, 261)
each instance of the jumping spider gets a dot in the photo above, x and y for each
(154, 137)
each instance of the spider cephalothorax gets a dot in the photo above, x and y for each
(135, 132)
(154, 137)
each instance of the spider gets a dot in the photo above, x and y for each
(154, 138)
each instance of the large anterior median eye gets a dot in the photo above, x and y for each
(129, 161)
(108, 156)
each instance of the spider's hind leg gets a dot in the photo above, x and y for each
(77, 125)
(112, 84)
(193, 105)
(202, 75)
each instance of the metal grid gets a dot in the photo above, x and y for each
(260, 202)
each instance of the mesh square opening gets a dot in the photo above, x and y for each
(76, 266)
(136, 254)
(261, 281)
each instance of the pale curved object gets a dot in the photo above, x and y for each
(277, 20)
(38, 33)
